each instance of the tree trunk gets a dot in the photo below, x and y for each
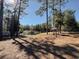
(17, 34)
(1, 16)
(47, 15)
(60, 28)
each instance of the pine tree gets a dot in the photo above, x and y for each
(1, 16)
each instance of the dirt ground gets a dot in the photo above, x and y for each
(41, 46)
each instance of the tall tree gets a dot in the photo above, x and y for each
(52, 4)
(1, 16)
(16, 9)
(70, 23)
(21, 7)
(58, 19)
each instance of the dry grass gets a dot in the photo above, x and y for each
(12, 50)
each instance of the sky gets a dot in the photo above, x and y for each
(33, 19)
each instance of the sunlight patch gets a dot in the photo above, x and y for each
(10, 1)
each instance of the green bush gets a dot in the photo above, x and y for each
(33, 33)
(21, 29)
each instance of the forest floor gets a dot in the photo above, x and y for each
(41, 46)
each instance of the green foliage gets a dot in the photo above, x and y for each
(58, 19)
(41, 27)
(14, 12)
(70, 23)
(37, 27)
(21, 29)
(78, 24)
(27, 27)
(41, 10)
(66, 20)
(32, 32)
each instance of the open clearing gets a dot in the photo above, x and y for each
(40, 46)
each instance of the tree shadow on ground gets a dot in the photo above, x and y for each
(44, 47)
(74, 35)
(3, 56)
(22, 36)
(5, 39)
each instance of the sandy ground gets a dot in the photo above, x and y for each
(40, 47)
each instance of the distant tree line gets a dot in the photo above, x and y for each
(66, 20)
(38, 27)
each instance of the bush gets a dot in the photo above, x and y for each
(33, 33)
(21, 29)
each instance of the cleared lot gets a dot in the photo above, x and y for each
(40, 46)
